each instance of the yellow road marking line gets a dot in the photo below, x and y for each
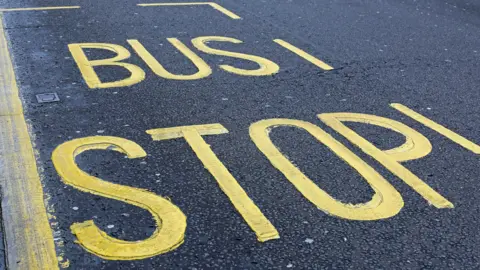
(212, 4)
(28, 235)
(310, 58)
(438, 128)
(37, 8)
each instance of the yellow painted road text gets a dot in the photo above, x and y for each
(386, 201)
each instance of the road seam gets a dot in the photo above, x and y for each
(28, 236)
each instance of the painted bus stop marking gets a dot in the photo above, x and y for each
(212, 4)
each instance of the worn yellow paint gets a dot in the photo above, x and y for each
(212, 4)
(464, 142)
(87, 66)
(224, 11)
(310, 58)
(63, 262)
(38, 8)
(203, 68)
(416, 146)
(245, 206)
(266, 68)
(28, 237)
(170, 220)
(385, 203)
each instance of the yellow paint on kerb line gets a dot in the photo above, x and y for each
(212, 4)
(28, 235)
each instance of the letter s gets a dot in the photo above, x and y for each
(170, 220)
(267, 67)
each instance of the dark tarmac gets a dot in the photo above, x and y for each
(422, 54)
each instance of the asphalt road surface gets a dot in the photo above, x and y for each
(256, 170)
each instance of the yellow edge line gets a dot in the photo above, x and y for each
(212, 4)
(28, 236)
(312, 59)
(174, 4)
(37, 8)
(464, 142)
